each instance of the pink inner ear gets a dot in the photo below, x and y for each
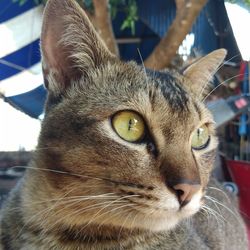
(55, 58)
(50, 51)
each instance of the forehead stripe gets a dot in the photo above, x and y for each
(170, 88)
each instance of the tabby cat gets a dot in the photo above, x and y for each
(124, 155)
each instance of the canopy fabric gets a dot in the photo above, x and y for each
(20, 68)
(31, 103)
(20, 29)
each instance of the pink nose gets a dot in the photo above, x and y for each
(185, 192)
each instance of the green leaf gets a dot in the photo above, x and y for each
(22, 2)
(241, 2)
(125, 24)
(129, 7)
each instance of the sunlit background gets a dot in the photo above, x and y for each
(240, 20)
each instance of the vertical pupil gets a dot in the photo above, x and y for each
(198, 132)
(129, 124)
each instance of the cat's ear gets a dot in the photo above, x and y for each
(70, 46)
(202, 71)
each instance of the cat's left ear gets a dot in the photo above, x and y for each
(202, 71)
(70, 46)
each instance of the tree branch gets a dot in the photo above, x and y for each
(179, 4)
(186, 13)
(103, 25)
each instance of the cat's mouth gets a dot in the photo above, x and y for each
(160, 200)
(171, 204)
(156, 212)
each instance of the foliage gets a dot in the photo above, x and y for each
(239, 1)
(129, 7)
(245, 3)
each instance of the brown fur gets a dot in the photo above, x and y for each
(87, 188)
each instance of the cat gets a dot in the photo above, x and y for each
(124, 156)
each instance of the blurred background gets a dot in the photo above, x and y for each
(161, 33)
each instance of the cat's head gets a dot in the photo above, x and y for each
(135, 146)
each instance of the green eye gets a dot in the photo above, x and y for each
(129, 126)
(200, 138)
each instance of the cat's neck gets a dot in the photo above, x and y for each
(110, 237)
(96, 235)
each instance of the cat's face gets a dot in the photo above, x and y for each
(138, 146)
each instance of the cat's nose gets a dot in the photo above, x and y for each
(185, 191)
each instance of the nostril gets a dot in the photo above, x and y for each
(179, 193)
(182, 193)
(185, 192)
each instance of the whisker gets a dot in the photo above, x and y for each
(230, 59)
(79, 211)
(227, 61)
(142, 62)
(220, 190)
(72, 201)
(62, 172)
(204, 99)
(225, 207)
(206, 214)
(114, 213)
(112, 202)
(93, 206)
(215, 213)
(65, 200)
(69, 199)
(208, 197)
(133, 222)
(73, 174)
(107, 212)
(90, 198)
(124, 222)
(210, 213)
(36, 215)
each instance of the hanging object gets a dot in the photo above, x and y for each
(243, 128)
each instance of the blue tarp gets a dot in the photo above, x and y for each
(31, 102)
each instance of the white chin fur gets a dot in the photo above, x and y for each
(159, 219)
(161, 224)
(193, 206)
(167, 221)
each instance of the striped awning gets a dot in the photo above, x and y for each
(20, 66)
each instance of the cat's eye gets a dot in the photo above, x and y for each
(200, 138)
(129, 126)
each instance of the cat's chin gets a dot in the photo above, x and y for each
(166, 222)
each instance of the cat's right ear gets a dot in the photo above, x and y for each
(70, 46)
(202, 71)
